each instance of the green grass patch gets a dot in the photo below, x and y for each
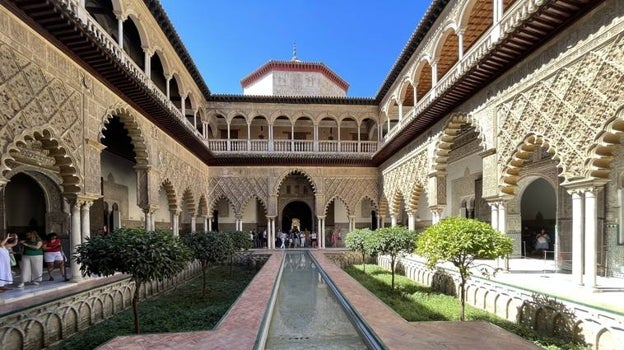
(179, 310)
(415, 302)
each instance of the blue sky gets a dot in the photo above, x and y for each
(359, 40)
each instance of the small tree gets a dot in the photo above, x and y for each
(461, 241)
(356, 241)
(393, 241)
(144, 255)
(208, 248)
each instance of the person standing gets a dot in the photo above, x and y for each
(6, 276)
(32, 259)
(53, 255)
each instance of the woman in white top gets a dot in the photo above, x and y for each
(6, 276)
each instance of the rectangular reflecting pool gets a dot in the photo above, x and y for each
(306, 314)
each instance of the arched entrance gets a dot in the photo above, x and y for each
(25, 205)
(296, 200)
(538, 212)
(299, 214)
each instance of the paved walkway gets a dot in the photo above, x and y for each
(239, 328)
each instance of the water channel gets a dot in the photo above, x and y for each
(306, 314)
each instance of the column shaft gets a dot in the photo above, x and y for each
(577, 238)
(75, 240)
(591, 229)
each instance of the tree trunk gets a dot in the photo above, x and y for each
(364, 261)
(204, 270)
(135, 305)
(392, 270)
(462, 297)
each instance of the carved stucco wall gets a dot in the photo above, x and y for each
(46, 96)
(240, 184)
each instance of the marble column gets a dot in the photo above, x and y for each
(210, 223)
(206, 227)
(577, 237)
(393, 221)
(591, 230)
(85, 220)
(75, 239)
(411, 221)
(193, 223)
(175, 222)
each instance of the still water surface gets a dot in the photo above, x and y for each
(306, 314)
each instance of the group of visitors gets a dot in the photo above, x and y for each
(297, 239)
(29, 254)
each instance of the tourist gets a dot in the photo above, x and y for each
(6, 276)
(334, 237)
(542, 241)
(264, 239)
(302, 239)
(53, 255)
(32, 259)
(283, 239)
(314, 239)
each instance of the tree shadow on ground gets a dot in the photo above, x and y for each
(401, 299)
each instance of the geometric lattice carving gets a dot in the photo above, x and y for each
(35, 105)
(406, 182)
(565, 113)
(351, 191)
(238, 191)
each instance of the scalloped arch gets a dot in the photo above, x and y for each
(171, 194)
(296, 171)
(68, 168)
(337, 197)
(189, 199)
(213, 203)
(448, 135)
(395, 203)
(511, 171)
(134, 131)
(600, 154)
(249, 199)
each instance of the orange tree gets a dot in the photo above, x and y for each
(208, 248)
(144, 255)
(461, 241)
(356, 241)
(393, 241)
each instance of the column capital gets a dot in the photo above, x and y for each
(150, 208)
(436, 208)
(321, 217)
(271, 217)
(498, 200)
(585, 185)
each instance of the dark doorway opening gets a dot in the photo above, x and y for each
(300, 211)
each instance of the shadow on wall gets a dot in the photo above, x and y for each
(551, 318)
(443, 283)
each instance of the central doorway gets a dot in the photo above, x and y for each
(297, 214)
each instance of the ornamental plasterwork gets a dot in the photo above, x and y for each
(567, 109)
(238, 191)
(180, 174)
(405, 178)
(33, 101)
(351, 190)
